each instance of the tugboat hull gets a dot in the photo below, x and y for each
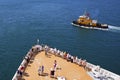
(101, 26)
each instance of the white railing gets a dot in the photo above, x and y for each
(15, 76)
(89, 65)
(24, 62)
(106, 73)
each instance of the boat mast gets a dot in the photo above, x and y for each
(85, 12)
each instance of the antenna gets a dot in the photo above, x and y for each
(85, 11)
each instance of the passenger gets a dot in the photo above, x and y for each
(40, 70)
(46, 50)
(19, 73)
(58, 52)
(29, 55)
(65, 55)
(50, 50)
(52, 73)
(62, 54)
(28, 59)
(24, 62)
(39, 48)
(80, 62)
(84, 64)
(68, 57)
(31, 52)
(55, 64)
(55, 50)
(46, 47)
(71, 59)
(22, 68)
(74, 59)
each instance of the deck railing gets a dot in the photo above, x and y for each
(38, 48)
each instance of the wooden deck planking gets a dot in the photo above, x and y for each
(69, 70)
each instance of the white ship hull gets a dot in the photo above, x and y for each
(97, 73)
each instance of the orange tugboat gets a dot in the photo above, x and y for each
(86, 22)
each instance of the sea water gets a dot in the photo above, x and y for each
(22, 22)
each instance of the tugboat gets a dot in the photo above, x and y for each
(86, 22)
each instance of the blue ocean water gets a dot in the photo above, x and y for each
(23, 22)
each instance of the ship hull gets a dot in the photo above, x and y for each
(75, 23)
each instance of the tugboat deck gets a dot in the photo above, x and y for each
(68, 70)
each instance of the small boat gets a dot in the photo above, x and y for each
(86, 22)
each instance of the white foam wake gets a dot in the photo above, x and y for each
(114, 28)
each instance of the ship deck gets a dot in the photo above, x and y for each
(70, 71)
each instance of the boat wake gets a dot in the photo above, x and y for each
(114, 28)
